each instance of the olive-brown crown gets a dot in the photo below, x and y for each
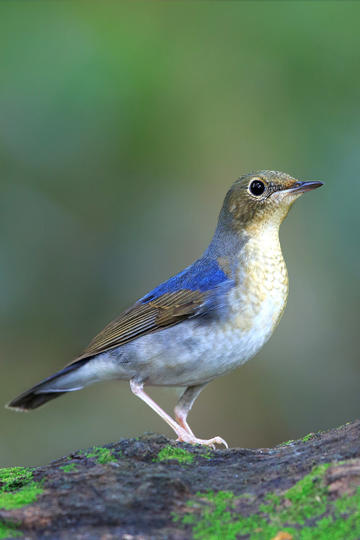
(261, 197)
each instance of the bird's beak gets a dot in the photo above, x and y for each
(300, 187)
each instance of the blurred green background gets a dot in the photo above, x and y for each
(121, 128)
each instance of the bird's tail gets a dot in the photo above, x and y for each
(54, 386)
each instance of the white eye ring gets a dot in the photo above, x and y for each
(256, 187)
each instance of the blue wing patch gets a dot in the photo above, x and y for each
(203, 275)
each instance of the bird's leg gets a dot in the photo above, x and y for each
(185, 435)
(138, 390)
(182, 410)
(184, 405)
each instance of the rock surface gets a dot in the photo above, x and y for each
(151, 487)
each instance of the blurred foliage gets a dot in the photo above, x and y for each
(122, 126)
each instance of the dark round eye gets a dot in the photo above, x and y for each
(257, 187)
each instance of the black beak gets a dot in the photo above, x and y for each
(300, 187)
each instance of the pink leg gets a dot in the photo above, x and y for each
(183, 431)
(185, 404)
(138, 390)
(182, 410)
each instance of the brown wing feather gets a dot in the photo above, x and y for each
(141, 319)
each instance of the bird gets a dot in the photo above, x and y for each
(203, 322)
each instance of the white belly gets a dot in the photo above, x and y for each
(196, 352)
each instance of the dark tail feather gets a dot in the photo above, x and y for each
(30, 400)
(34, 397)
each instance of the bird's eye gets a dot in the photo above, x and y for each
(257, 188)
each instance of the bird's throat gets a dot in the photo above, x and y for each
(261, 288)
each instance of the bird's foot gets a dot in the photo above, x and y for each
(186, 437)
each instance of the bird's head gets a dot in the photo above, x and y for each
(261, 199)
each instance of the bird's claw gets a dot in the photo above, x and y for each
(185, 437)
(215, 440)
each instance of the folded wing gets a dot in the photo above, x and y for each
(194, 291)
(141, 319)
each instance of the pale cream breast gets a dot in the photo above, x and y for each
(259, 297)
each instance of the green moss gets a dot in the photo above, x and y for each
(287, 442)
(14, 477)
(7, 530)
(171, 452)
(101, 455)
(69, 468)
(17, 488)
(307, 437)
(16, 499)
(207, 455)
(305, 511)
(308, 497)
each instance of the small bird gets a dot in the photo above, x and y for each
(203, 322)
